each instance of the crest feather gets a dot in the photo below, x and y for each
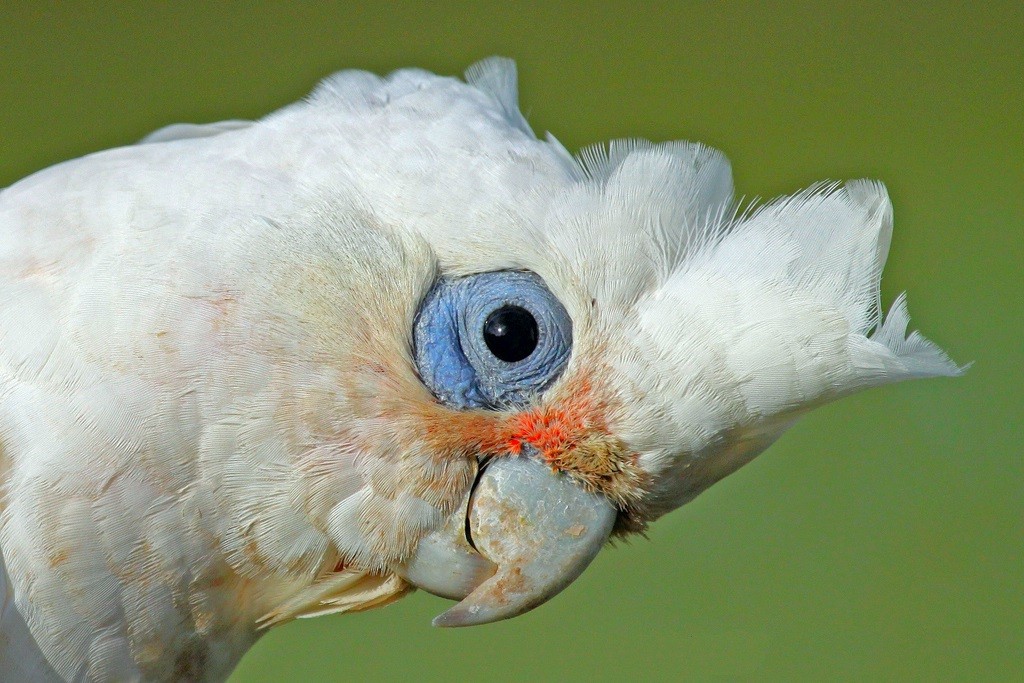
(497, 77)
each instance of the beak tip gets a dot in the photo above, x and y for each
(463, 614)
(448, 620)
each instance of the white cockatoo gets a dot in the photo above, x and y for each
(387, 338)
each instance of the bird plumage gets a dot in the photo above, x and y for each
(211, 418)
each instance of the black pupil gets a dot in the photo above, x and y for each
(511, 333)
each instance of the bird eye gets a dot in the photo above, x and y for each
(491, 340)
(511, 333)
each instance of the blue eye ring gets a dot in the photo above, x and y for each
(453, 339)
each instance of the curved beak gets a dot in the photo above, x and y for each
(523, 534)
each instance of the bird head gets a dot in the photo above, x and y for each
(534, 351)
(388, 338)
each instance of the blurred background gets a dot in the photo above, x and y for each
(883, 537)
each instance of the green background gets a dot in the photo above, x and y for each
(882, 537)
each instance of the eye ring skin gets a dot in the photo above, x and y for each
(453, 358)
